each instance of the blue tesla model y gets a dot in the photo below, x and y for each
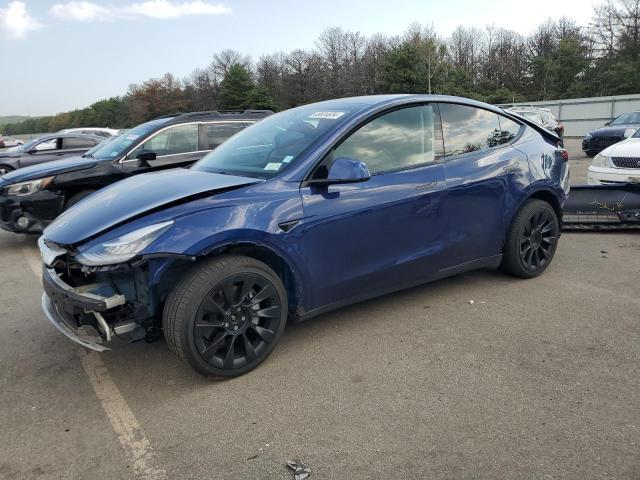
(311, 209)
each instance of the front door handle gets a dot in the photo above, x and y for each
(432, 183)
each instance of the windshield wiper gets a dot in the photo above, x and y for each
(87, 155)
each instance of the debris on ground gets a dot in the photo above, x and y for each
(300, 470)
(471, 302)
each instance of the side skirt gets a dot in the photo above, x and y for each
(486, 262)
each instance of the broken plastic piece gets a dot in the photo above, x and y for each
(300, 470)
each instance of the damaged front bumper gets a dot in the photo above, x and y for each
(603, 207)
(30, 213)
(79, 312)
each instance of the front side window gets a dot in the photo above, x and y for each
(397, 140)
(468, 129)
(117, 146)
(172, 141)
(47, 145)
(218, 133)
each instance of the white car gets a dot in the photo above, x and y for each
(101, 132)
(619, 163)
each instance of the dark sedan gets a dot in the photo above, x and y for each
(44, 149)
(621, 127)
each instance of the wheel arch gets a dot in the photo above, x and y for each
(546, 195)
(283, 267)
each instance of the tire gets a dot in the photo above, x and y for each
(77, 197)
(226, 315)
(532, 240)
(590, 153)
(4, 169)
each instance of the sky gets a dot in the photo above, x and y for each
(61, 55)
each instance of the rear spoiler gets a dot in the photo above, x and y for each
(548, 134)
(602, 207)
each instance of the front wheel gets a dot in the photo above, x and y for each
(532, 240)
(226, 315)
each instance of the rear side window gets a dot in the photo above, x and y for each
(78, 142)
(468, 129)
(217, 133)
(400, 139)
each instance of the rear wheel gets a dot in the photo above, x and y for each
(4, 169)
(532, 240)
(226, 316)
(590, 153)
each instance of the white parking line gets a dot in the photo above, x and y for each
(136, 446)
(132, 438)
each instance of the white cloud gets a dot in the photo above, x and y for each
(16, 22)
(79, 11)
(83, 11)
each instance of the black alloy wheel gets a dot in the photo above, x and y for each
(532, 240)
(226, 315)
(236, 321)
(538, 238)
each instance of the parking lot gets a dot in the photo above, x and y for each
(476, 376)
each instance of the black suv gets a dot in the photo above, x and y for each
(32, 197)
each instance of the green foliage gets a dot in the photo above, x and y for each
(236, 88)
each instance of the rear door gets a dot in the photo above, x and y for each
(365, 238)
(481, 170)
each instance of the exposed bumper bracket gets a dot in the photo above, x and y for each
(59, 322)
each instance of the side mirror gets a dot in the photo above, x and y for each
(144, 157)
(344, 170)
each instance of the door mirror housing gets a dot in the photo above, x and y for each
(344, 170)
(144, 157)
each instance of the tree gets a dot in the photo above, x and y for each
(236, 88)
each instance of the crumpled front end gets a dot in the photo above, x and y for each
(93, 306)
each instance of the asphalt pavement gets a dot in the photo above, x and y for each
(480, 376)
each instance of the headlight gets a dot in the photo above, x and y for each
(588, 136)
(123, 248)
(600, 161)
(27, 188)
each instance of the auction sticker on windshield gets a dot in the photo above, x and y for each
(327, 115)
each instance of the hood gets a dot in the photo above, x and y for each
(612, 131)
(6, 154)
(48, 169)
(133, 197)
(627, 148)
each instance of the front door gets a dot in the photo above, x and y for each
(365, 238)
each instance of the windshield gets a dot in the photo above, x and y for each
(272, 145)
(117, 146)
(632, 118)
